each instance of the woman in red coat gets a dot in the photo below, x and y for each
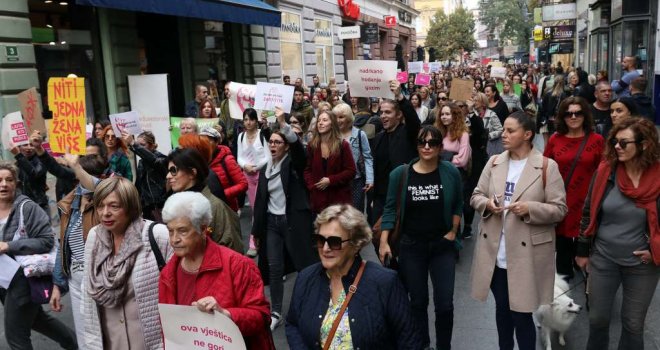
(209, 276)
(330, 168)
(575, 134)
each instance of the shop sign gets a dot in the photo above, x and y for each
(349, 9)
(12, 53)
(323, 32)
(390, 21)
(563, 47)
(290, 29)
(538, 33)
(559, 12)
(369, 33)
(559, 33)
(352, 32)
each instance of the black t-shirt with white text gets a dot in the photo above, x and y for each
(424, 205)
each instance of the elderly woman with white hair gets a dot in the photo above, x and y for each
(210, 276)
(364, 162)
(344, 302)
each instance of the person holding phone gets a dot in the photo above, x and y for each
(520, 196)
(429, 186)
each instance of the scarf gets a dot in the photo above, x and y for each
(109, 273)
(645, 196)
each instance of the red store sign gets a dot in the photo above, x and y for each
(349, 9)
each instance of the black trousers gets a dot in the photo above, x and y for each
(565, 258)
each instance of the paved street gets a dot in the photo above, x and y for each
(474, 322)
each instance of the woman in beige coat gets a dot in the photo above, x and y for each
(521, 197)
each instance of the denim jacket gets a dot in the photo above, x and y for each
(379, 312)
(358, 136)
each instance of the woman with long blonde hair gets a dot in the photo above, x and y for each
(330, 168)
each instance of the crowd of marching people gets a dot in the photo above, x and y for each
(559, 166)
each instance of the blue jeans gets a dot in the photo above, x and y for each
(417, 258)
(638, 282)
(509, 321)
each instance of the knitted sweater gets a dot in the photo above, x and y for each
(145, 277)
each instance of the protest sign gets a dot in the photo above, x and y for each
(185, 327)
(495, 64)
(150, 99)
(498, 72)
(422, 79)
(66, 99)
(402, 77)
(517, 89)
(14, 132)
(461, 89)
(175, 123)
(434, 67)
(371, 78)
(268, 96)
(31, 110)
(241, 97)
(127, 121)
(415, 67)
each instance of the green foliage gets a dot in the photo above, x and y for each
(507, 17)
(449, 34)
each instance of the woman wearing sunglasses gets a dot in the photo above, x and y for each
(283, 218)
(619, 242)
(577, 151)
(344, 302)
(188, 170)
(119, 163)
(521, 198)
(432, 195)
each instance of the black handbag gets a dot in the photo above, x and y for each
(41, 288)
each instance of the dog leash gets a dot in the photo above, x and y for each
(584, 280)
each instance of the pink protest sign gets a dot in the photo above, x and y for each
(422, 79)
(402, 77)
(14, 132)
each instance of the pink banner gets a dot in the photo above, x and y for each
(402, 77)
(422, 79)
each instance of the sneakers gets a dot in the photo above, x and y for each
(252, 252)
(467, 232)
(275, 320)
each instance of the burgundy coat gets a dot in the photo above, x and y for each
(235, 283)
(340, 171)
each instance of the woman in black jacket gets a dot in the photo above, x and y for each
(283, 219)
(495, 102)
(151, 173)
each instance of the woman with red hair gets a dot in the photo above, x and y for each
(207, 109)
(117, 159)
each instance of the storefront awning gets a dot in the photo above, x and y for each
(236, 11)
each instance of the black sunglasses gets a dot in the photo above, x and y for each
(442, 99)
(173, 170)
(334, 242)
(622, 143)
(432, 143)
(577, 114)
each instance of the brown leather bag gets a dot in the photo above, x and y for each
(395, 234)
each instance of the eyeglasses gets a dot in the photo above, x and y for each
(442, 99)
(173, 170)
(622, 143)
(110, 137)
(432, 143)
(334, 242)
(275, 142)
(293, 122)
(578, 114)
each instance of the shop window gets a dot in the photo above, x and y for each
(66, 42)
(630, 38)
(291, 49)
(324, 50)
(603, 51)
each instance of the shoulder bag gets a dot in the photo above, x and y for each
(393, 238)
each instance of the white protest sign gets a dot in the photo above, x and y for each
(185, 327)
(434, 66)
(498, 72)
(369, 78)
(241, 97)
(415, 67)
(127, 121)
(14, 131)
(352, 32)
(144, 90)
(269, 95)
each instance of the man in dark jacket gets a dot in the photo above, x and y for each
(300, 105)
(644, 103)
(32, 175)
(365, 120)
(192, 107)
(394, 145)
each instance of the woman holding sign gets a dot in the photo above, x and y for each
(119, 163)
(211, 277)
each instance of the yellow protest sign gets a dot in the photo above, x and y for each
(66, 99)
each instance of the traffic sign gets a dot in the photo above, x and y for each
(390, 21)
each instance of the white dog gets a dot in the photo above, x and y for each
(559, 315)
